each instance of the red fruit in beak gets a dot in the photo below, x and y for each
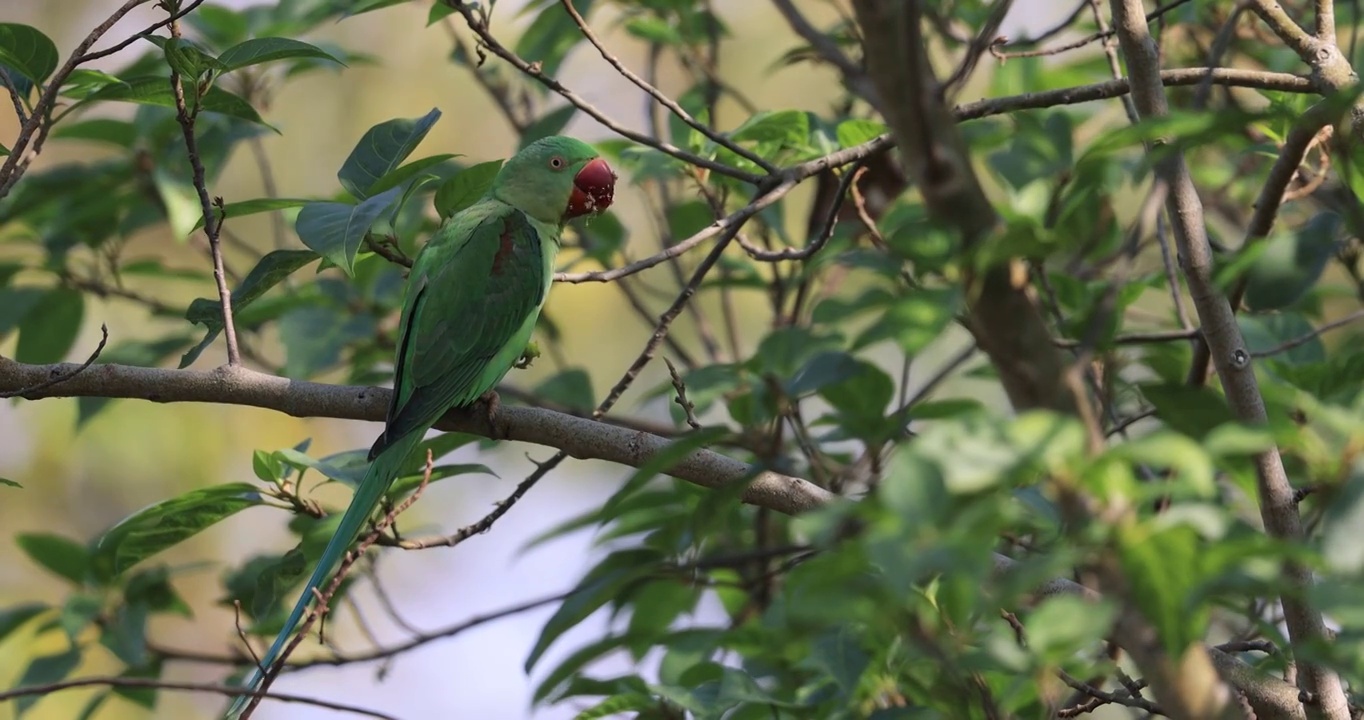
(594, 187)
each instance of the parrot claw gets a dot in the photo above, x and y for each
(490, 403)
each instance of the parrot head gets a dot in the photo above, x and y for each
(556, 179)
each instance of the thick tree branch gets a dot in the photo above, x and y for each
(1230, 357)
(580, 438)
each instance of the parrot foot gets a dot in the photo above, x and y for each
(489, 403)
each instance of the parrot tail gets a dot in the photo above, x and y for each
(381, 474)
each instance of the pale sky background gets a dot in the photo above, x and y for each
(138, 453)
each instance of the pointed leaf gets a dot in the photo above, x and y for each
(167, 523)
(155, 90)
(382, 149)
(43, 671)
(49, 329)
(13, 618)
(335, 230)
(60, 555)
(267, 273)
(28, 51)
(251, 207)
(601, 585)
(465, 188)
(263, 50)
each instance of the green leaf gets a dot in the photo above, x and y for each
(465, 187)
(857, 131)
(43, 671)
(252, 207)
(382, 149)
(28, 51)
(1163, 569)
(1340, 545)
(571, 388)
(262, 50)
(601, 584)
(550, 37)
(49, 329)
(826, 368)
(79, 611)
(62, 556)
(406, 172)
(860, 400)
(15, 617)
(9, 483)
(181, 202)
(336, 230)
(82, 83)
(261, 583)
(786, 128)
(551, 123)
(1291, 263)
(119, 133)
(269, 272)
(914, 321)
(1193, 411)
(168, 523)
(411, 482)
(155, 90)
(840, 656)
(314, 337)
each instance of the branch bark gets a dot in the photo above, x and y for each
(579, 437)
(1229, 354)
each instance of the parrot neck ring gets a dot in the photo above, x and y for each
(594, 187)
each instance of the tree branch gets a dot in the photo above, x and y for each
(1233, 363)
(580, 438)
(156, 684)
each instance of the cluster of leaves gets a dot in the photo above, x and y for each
(888, 607)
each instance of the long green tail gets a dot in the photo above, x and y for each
(381, 474)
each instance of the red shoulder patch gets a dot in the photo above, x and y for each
(506, 246)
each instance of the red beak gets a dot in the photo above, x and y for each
(594, 187)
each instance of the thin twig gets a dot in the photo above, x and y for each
(486, 523)
(480, 28)
(321, 607)
(662, 99)
(212, 220)
(688, 407)
(63, 375)
(1310, 336)
(156, 684)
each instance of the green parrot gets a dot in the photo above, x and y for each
(473, 296)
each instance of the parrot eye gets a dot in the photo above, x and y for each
(556, 162)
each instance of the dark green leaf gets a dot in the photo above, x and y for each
(314, 337)
(1291, 263)
(409, 483)
(336, 230)
(28, 51)
(60, 555)
(115, 132)
(251, 207)
(157, 91)
(168, 523)
(382, 149)
(601, 584)
(267, 273)
(126, 634)
(826, 368)
(79, 611)
(49, 329)
(571, 388)
(551, 36)
(861, 399)
(43, 671)
(9, 483)
(262, 582)
(551, 123)
(263, 50)
(14, 617)
(465, 188)
(1193, 411)
(406, 172)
